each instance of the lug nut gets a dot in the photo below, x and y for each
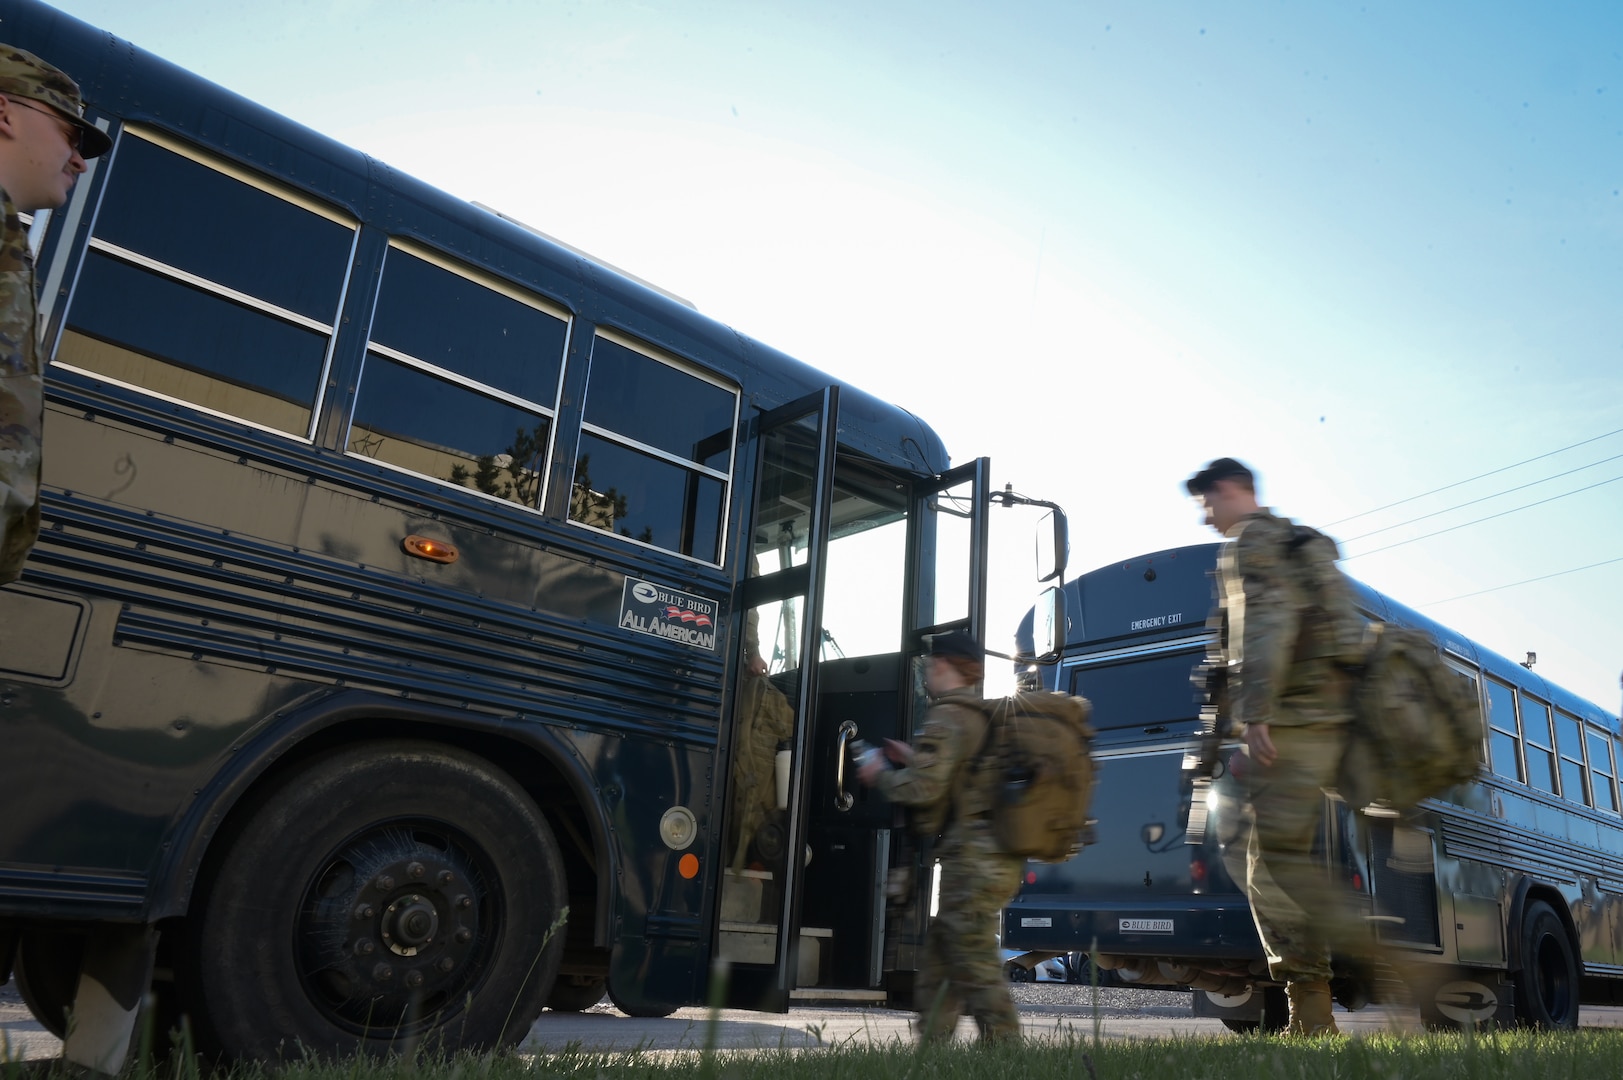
(464, 902)
(384, 883)
(414, 979)
(382, 973)
(365, 948)
(446, 877)
(463, 936)
(365, 911)
(446, 964)
(415, 871)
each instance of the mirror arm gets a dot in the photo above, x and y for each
(1007, 497)
(1026, 658)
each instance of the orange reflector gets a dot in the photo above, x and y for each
(688, 866)
(432, 550)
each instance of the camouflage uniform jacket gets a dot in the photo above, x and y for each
(22, 399)
(942, 784)
(1283, 656)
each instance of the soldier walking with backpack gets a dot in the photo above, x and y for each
(962, 969)
(1287, 644)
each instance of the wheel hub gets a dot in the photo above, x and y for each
(409, 924)
(390, 929)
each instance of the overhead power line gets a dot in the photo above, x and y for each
(1480, 520)
(1529, 581)
(1481, 476)
(1473, 502)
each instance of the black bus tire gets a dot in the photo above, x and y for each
(1547, 984)
(1276, 1014)
(384, 898)
(643, 1010)
(46, 970)
(576, 993)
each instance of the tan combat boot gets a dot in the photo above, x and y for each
(1310, 1009)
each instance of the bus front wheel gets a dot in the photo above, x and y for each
(381, 898)
(1547, 985)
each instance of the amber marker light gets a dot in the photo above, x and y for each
(688, 866)
(432, 550)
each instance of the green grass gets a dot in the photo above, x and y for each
(1498, 1056)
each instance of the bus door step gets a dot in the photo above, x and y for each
(757, 943)
(836, 996)
(743, 895)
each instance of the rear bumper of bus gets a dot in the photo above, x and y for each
(1184, 927)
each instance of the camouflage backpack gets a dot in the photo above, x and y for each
(1418, 726)
(1417, 730)
(1042, 744)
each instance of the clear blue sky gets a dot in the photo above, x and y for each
(1371, 249)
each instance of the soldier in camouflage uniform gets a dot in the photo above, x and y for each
(765, 719)
(962, 969)
(1289, 692)
(44, 141)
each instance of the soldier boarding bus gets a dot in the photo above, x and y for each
(430, 623)
(1502, 901)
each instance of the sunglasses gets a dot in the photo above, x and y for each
(70, 132)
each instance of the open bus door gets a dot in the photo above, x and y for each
(947, 572)
(804, 907)
(924, 575)
(760, 933)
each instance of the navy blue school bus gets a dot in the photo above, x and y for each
(1503, 900)
(409, 590)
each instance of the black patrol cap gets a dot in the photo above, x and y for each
(956, 643)
(1224, 468)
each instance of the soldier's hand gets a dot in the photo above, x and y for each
(869, 771)
(1260, 743)
(899, 752)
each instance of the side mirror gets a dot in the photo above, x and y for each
(1048, 626)
(1053, 545)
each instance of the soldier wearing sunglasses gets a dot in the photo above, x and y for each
(44, 143)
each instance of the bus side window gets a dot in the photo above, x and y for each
(1569, 744)
(1470, 683)
(1503, 741)
(1603, 769)
(656, 451)
(461, 379)
(1539, 745)
(208, 285)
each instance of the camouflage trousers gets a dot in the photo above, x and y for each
(962, 968)
(1302, 912)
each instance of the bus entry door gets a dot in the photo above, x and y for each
(760, 935)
